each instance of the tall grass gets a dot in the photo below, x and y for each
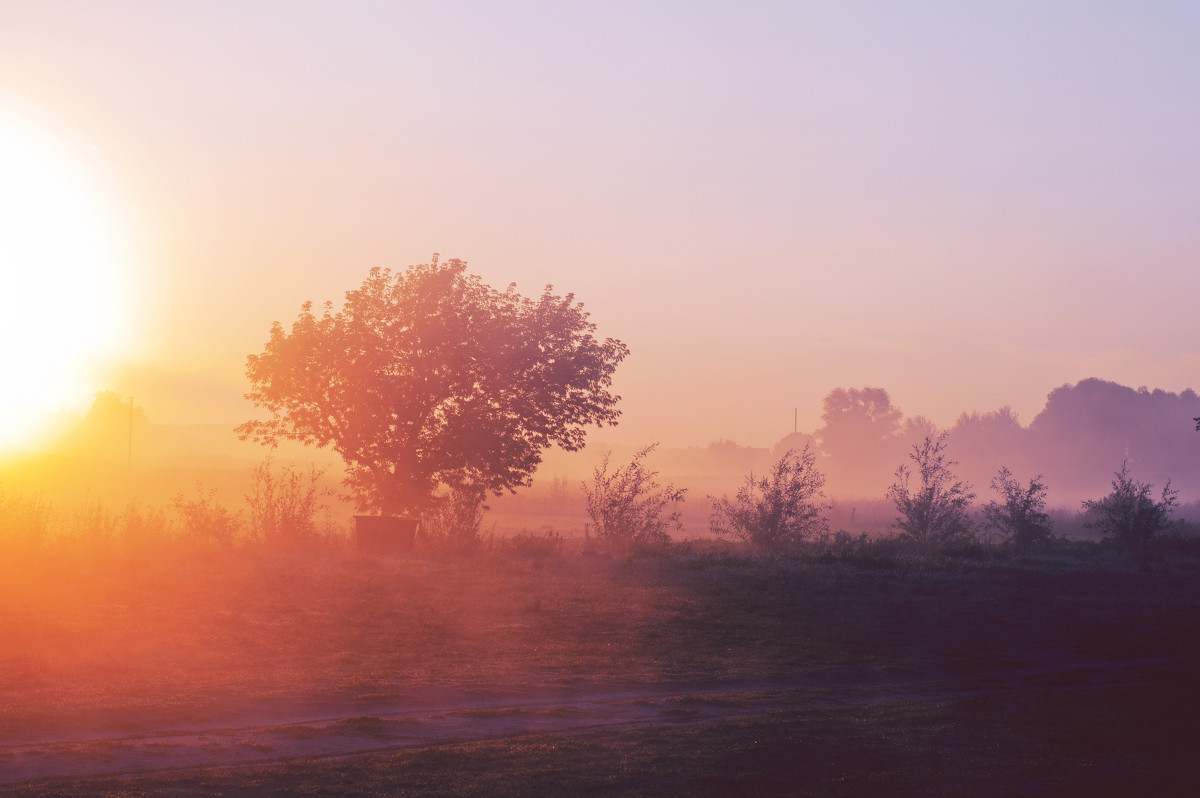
(281, 510)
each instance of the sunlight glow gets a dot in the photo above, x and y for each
(64, 285)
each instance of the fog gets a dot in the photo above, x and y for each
(1077, 441)
(115, 457)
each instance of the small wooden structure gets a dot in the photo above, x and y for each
(384, 534)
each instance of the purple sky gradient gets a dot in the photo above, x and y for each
(966, 204)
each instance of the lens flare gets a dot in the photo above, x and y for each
(64, 285)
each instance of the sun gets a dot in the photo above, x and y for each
(64, 284)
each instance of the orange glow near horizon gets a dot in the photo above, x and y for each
(63, 278)
(764, 205)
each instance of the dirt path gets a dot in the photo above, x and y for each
(385, 728)
(462, 717)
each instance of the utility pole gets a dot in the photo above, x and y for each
(130, 463)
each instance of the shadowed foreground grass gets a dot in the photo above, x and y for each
(1070, 673)
(1040, 742)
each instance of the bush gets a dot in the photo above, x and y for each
(452, 520)
(93, 526)
(24, 523)
(546, 542)
(629, 506)
(283, 507)
(934, 513)
(778, 512)
(139, 527)
(1021, 515)
(1129, 514)
(204, 521)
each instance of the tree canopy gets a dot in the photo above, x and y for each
(429, 379)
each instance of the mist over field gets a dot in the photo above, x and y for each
(634, 399)
(1083, 434)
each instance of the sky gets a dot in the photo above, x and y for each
(968, 204)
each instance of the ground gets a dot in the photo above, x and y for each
(700, 671)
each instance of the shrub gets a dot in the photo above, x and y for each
(93, 526)
(1021, 515)
(203, 520)
(778, 512)
(546, 542)
(451, 520)
(1129, 514)
(933, 513)
(628, 507)
(283, 507)
(142, 527)
(24, 522)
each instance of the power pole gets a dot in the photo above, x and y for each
(130, 463)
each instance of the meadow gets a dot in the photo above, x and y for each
(535, 666)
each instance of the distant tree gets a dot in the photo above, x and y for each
(1129, 514)
(629, 507)
(860, 436)
(916, 429)
(982, 439)
(932, 512)
(430, 381)
(1020, 515)
(988, 429)
(857, 414)
(104, 431)
(778, 512)
(793, 440)
(1095, 422)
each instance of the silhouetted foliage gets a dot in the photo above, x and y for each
(933, 513)
(860, 436)
(778, 512)
(793, 440)
(25, 521)
(860, 412)
(980, 440)
(284, 505)
(916, 429)
(629, 506)
(1095, 422)
(1020, 515)
(451, 521)
(727, 454)
(1129, 514)
(203, 520)
(103, 432)
(429, 380)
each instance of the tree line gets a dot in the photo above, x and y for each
(783, 510)
(437, 389)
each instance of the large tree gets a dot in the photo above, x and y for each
(429, 380)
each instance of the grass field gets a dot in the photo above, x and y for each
(699, 671)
